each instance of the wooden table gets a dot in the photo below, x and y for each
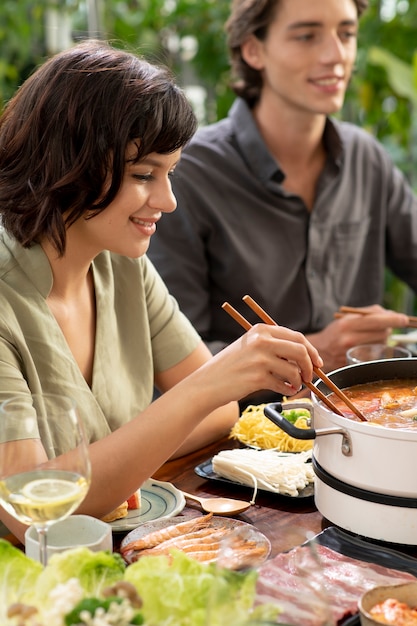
(287, 522)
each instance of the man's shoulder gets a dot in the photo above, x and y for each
(359, 145)
(216, 133)
(352, 134)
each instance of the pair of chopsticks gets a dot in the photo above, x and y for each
(344, 310)
(268, 320)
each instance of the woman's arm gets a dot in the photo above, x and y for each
(198, 405)
(192, 410)
(218, 423)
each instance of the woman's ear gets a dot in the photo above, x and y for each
(251, 51)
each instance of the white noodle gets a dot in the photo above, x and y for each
(267, 469)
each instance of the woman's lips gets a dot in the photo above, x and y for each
(147, 227)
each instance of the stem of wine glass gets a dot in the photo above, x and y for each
(43, 544)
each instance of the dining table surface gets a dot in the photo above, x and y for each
(285, 520)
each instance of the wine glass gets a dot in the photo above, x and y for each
(45, 468)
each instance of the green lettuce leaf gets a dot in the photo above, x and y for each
(18, 575)
(180, 591)
(94, 571)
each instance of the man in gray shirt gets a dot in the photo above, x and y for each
(282, 202)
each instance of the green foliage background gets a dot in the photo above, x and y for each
(382, 96)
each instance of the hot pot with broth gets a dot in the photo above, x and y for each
(366, 473)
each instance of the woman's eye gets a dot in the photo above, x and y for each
(144, 178)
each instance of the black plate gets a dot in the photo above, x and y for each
(205, 470)
(356, 548)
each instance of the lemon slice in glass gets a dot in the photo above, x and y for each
(50, 489)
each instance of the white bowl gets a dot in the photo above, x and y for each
(404, 592)
(73, 532)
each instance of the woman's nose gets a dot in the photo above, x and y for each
(163, 198)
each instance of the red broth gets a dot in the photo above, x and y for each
(390, 403)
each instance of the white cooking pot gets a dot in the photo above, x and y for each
(366, 475)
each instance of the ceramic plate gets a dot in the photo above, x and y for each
(263, 544)
(205, 470)
(159, 500)
(364, 550)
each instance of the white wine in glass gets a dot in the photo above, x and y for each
(45, 468)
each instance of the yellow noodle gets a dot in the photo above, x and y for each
(254, 429)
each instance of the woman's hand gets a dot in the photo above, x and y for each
(265, 357)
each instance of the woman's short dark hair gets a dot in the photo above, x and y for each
(67, 129)
(253, 17)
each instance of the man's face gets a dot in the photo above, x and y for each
(308, 54)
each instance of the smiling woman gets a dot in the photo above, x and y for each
(129, 221)
(88, 146)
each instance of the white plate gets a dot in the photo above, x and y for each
(262, 542)
(159, 500)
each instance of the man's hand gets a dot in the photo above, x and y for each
(353, 329)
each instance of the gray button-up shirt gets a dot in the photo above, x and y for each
(236, 230)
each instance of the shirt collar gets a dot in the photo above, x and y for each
(257, 155)
(32, 261)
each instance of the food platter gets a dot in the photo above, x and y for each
(205, 470)
(159, 500)
(262, 542)
(364, 550)
(323, 579)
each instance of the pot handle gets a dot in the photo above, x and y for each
(274, 413)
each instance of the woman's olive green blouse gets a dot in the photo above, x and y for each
(139, 330)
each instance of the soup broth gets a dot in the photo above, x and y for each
(390, 403)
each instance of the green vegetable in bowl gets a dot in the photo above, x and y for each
(292, 415)
(94, 571)
(18, 575)
(118, 607)
(79, 587)
(179, 591)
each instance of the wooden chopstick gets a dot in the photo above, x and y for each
(259, 310)
(236, 316)
(343, 310)
(338, 392)
(268, 320)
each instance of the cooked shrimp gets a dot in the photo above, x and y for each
(211, 550)
(200, 537)
(174, 530)
(205, 539)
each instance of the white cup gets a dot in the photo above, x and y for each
(375, 352)
(73, 532)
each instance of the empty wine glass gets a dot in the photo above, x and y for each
(45, 468)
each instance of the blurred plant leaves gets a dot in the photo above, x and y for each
(401, 76)
(382, 97)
